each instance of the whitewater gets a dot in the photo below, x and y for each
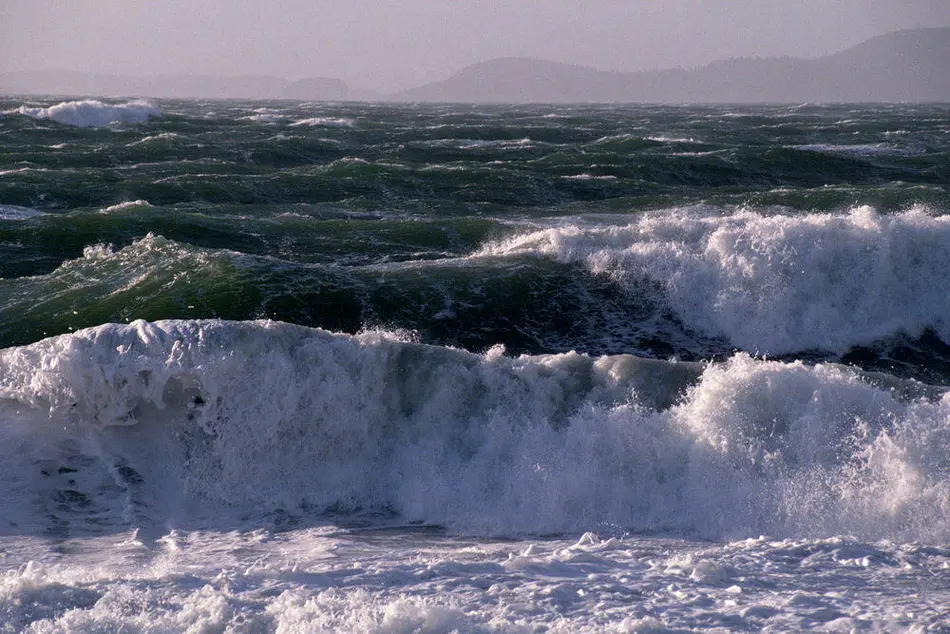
(296, 367)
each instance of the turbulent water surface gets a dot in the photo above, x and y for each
(297, 367)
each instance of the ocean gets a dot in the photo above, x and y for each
(305, 367)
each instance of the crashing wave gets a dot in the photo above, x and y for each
(93, 113)
(162, 418)
(773, 284)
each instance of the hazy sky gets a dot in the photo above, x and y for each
(390, 45)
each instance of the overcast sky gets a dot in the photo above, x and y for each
(388, 45)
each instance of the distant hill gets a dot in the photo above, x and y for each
(901, 66)
(57, 82)
(909, 65)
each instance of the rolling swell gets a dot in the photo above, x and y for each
(305, 234)
(172, 422)
(691, 283)
(474, 303)
(519, 157)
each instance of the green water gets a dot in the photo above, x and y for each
(354, 216)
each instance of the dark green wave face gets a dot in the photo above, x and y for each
(684, 232)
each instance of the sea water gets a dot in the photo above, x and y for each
(297, 367)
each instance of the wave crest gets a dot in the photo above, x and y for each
(93, 113)
(263, 416)
(774, 284)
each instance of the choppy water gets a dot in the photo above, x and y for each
(478, 368)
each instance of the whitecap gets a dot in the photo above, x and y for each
(589, 177)
(670, 139)
(93, 113)
(858, 149)
(164, 136)
(15, 212)
(773, 283)
(325, 122)
(266, 117)
(129, 204)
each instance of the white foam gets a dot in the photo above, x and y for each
(265, 117)
(773, 283)
(124, 206)
(15, 212)
(304, 580)
(476, 144)
(858, 149)
(472, 144)
(671, 139)
(261, 416)
(93, 113)
(98, 252)
(325, 122)
(589, 177)
(163, 136)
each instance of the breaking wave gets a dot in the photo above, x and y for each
(92, 113)
(325, 122)
(122, 425)
(773, 284)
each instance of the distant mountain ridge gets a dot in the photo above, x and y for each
(57, 82)
(910, 66)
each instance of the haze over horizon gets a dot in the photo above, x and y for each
(394, 46)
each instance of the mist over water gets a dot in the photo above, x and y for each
(243, 49)
(293, 366)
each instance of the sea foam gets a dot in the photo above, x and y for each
(15, 212)
(325, 122)
(93, 113)
(126, 206)
(773, 283)
(256, 417)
